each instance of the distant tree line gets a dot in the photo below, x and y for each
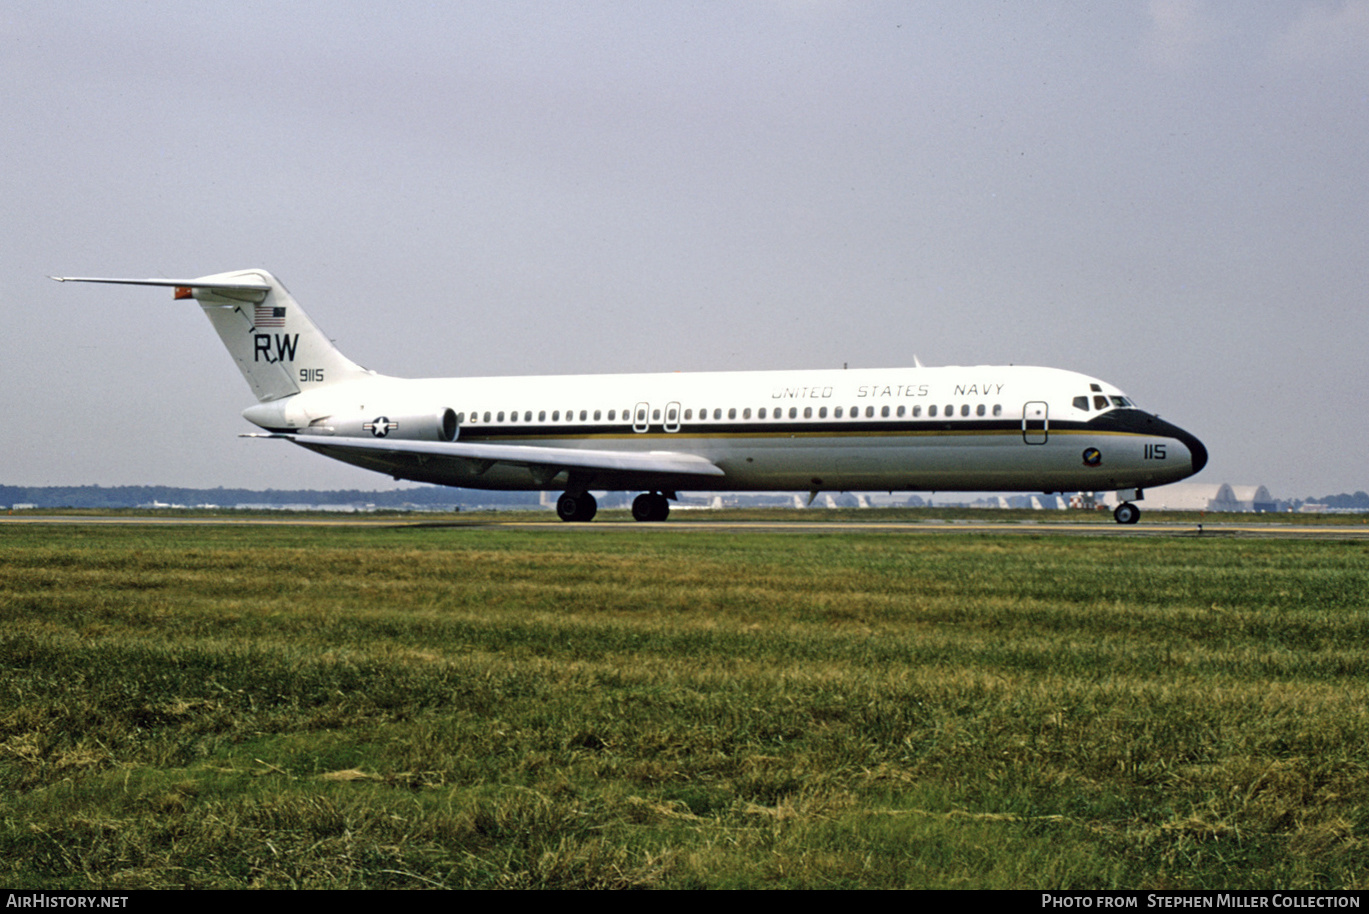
(133, 496)
(1359, 500)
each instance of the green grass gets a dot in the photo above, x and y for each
(456, 706)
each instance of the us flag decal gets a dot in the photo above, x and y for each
(269, 317)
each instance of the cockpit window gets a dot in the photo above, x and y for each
(1101, 401)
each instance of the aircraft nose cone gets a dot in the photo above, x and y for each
(1135, 421)
(1197, 453)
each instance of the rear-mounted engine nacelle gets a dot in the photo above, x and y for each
(439, 425)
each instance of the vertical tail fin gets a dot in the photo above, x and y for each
(278, 349)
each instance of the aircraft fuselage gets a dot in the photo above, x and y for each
(901, 429)
(915, 429)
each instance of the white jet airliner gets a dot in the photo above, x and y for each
(887, 429)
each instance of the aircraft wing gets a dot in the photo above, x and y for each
(543, 461)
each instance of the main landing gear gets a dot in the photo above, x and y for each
(1126, 513)
(580, 507)
(650, 506)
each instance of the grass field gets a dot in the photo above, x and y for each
(381, 707)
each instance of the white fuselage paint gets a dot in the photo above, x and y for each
(912, 429)
(1003, 443)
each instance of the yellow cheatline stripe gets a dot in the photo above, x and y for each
(1015, 435)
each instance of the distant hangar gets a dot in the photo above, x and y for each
(1199, 496)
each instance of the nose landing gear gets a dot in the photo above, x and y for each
(1126, 513)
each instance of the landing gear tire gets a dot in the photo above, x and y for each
(650, 507)
(1126, 513)
(576, 507)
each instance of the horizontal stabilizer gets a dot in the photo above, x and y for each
(201, 283)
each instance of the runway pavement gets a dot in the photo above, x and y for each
(1253, 528)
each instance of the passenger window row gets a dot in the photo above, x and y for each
(884, 412)
(476, 417)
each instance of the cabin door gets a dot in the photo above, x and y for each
(640, 421)
(1035, 422)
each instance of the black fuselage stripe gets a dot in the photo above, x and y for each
(761, 429)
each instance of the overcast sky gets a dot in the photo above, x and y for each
(1170, 195)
